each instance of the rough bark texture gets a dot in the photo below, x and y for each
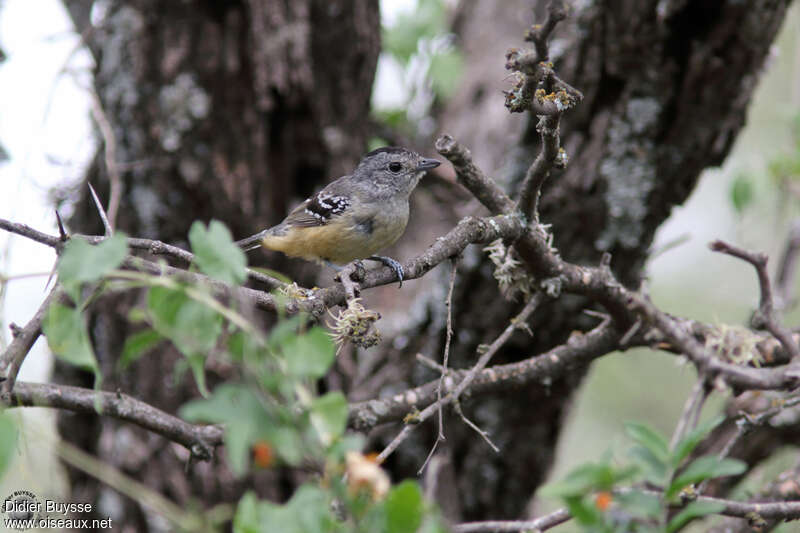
(228, 110)
(233, 109)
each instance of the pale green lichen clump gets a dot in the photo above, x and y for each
(629, 173)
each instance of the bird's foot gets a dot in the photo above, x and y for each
(391, 263)
(350, 276)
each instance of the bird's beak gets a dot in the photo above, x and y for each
(427, 164)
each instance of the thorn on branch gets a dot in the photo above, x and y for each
(101, 211)
(62, 233)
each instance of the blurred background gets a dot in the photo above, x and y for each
(47, 141)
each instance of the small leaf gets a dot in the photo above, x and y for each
(137, 345)
(307, 512)
(329, 416)
(583, 512)
(246, 519)
(68, 340)
(639, 503)
(587, 478)
(404, 506)
(309, 355)
(688, 443)
(703, 468)
(241, 413)
(657, 469)
(191, 326)
(8, 441)
(741, 192)
(216, 254)
(81, 262)
(197, 364)
(287, 443)
(693, 510)
(650, 439)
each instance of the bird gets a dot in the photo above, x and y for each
(354, 216)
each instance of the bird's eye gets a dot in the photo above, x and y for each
(395, 167)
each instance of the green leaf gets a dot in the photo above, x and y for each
(137, 345)
(197, 364)
(216, 254)
(583, 512)
(656, 468)
(329, 416)
(693, 510)
(191, 326)
(309, 355)
(742, 192)
(404, 506)
(688, 443)
(81, 262)
(307, 512)
(242, 414)
(587, 478)
(311, 509)
(246, 519)
(68, 340)
(426, 21)
(283, 332)
(650, 439)
(639, 503)
(703, 468)
(8, 441)
(287, 442)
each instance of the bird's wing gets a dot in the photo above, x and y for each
(319, 209)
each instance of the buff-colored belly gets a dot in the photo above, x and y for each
(336, 242)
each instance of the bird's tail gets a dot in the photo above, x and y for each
(254, 241)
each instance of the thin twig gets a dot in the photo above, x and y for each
(766, 314)
(452, 396)
(691, 411)
(484, 435)
(445, 359)
(430, 363)
(745, 423)
(539, 33)
(542, 523)
(787, 269)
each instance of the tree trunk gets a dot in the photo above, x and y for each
(228, 110)
(234, 110)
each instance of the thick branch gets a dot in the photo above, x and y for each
(542, 369)
(12, 359)
(198, 439)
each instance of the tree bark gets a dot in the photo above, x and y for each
(227, 110)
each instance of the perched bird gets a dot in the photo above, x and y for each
(354, 216)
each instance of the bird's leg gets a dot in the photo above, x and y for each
(349, 276)
(391, 263)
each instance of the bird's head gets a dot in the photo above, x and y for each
(396, 168)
